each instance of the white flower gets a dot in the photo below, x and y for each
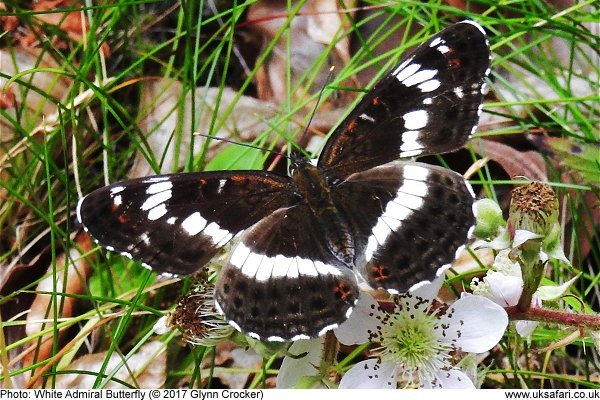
(416, 341)
(503, 284)
(306, 371)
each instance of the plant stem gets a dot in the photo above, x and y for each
(553, 316)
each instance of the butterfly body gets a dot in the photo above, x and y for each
(304, 242)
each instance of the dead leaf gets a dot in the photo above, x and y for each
(312, 30)
(163, 111)
(146, 369)
(31, 103)
(70, 281)
(9, 22)
(527, 164)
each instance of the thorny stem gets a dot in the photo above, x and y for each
(552, 316)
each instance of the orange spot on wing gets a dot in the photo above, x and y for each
(342, 291)
(375, 101)
(122, 218)
(379, 273)
(352, 125)
(454, 63)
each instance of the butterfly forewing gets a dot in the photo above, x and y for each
(176, 223)
(428, 104)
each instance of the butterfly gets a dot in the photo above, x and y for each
(304, 242)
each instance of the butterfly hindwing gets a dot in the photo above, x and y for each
(414, 217)
(428, 104)
(176, 223)
(282, 283)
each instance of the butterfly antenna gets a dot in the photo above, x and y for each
(314, 111)
(240, 144)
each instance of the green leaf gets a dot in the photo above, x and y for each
(236, 157)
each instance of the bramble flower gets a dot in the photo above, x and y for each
(503, 284)
(417, 339)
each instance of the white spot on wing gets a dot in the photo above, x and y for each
(410, 141)
(222, 183)
(159, 187)
(155, 200)
(415, 119)
(157, 212)
(427, 100)
(436, 41)
(144, 238)
(404, 73)
(193, 224)
(263, 268)
(402, 66)
(154, 179)
(475, 24)
(300, 337)
(429, 86)
(171, 220)
(419, 77)
(78, 210)
(117, 200)
(217, 234)
(366, 117)
(327, 329)
(116, 189)
(443, 49)
(252, 264)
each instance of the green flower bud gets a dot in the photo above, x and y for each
(489, 219)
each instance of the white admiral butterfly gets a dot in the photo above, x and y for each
(307, 239)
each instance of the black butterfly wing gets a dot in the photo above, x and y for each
(282, 283)
(176, 223)
(428, 104)
(412, 220)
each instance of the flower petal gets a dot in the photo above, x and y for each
(522, 235)
(362, 321)
(525, 328)
(502, 289)
(370, 374)
(293, 369)
(473, 323)
(451, 379)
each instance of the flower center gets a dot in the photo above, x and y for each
(409, 338)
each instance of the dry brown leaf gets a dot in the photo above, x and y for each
(161, 114)
(146, 369)
(34, 105)
(9, 22)
(526, 164)
(311, 32)
(71, 281)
